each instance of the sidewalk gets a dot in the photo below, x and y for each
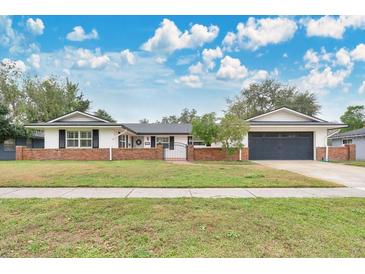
(181, 192)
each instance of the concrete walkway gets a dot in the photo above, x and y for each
(181, 192)
(350, 176)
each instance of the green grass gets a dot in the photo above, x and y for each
(182, 227)
(148, 174)
(352, 163)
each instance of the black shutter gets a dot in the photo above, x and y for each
(62, 138)
(95, 138)
(172, 141)
(153, 141)
(126, 141)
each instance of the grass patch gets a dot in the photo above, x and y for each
(182, 227)
(352, 163)
(148, 174)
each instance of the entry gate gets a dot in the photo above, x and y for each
(176, 152)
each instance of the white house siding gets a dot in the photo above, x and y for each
(358, 141)
(107, 137)
(51, 138)
(78, 118)
(282, 116)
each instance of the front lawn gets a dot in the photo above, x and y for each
(182, 227)
(148, 174)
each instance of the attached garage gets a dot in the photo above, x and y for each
(280, 145)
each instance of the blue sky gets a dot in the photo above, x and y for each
(149, 66)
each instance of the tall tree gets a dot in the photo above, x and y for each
(232, 130)
(144, 121)
(269, 95)
(205, 128)
(186, 117)
(6, 128)
(50, 98)
(11, 93)
(354, 117)
(101, 113)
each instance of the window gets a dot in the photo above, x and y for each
(194, 142)
(9, 145)
(85, 138)
(347, 141)
(164, 141)
(76, 139)
(123, 141)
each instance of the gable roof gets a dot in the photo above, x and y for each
(352, 133)
(312, 118)
(80, 113)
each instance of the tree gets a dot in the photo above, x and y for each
(6, 128)
(205, 128)
(186, 117)
(269, 95)
(30, 99)
(232, 130)
(144, 121)
(50, 98)
(354, 117)
(101, 113)
(11, 94)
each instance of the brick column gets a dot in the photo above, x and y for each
(159, 150)
(351, 152)
(19, 153)
(190, 153)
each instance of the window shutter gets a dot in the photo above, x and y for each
(172, 141)
(95, 138)
(62, 138)
(153, 141)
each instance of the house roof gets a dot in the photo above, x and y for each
(292, 111)
(351, 133)
(95, 118)
(297, 123)
(158, 128)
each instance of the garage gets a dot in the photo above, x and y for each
(280, 145)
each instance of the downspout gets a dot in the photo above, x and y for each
(110, 148)
(328, 136)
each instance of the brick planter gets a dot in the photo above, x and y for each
(344, 153)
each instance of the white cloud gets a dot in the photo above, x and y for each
(35, 61)
(209, 55)
(255, 77)
(160, 60)
(36, 26)
(87, 59)
(231, 69)
(9, 38)
(311, 58)
(343, 57)
(259, 33)
(128, 56)
(358, 53)
(18, 64)
(334, 27)
(362, 88)
(192, 81)
(79, 34)
(285, 55)
(198, 68)
(168, 37)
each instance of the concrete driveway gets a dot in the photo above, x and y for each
(350, 176)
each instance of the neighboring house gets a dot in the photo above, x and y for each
(7, 148)
(356, 137)
(282, 134)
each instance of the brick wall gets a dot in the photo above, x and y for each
(344, 153)
(215, 154)
(23, 153)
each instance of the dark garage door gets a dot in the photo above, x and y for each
(280, 145)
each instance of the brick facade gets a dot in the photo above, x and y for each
(23, 153)
(344, 153)
(215, 154)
